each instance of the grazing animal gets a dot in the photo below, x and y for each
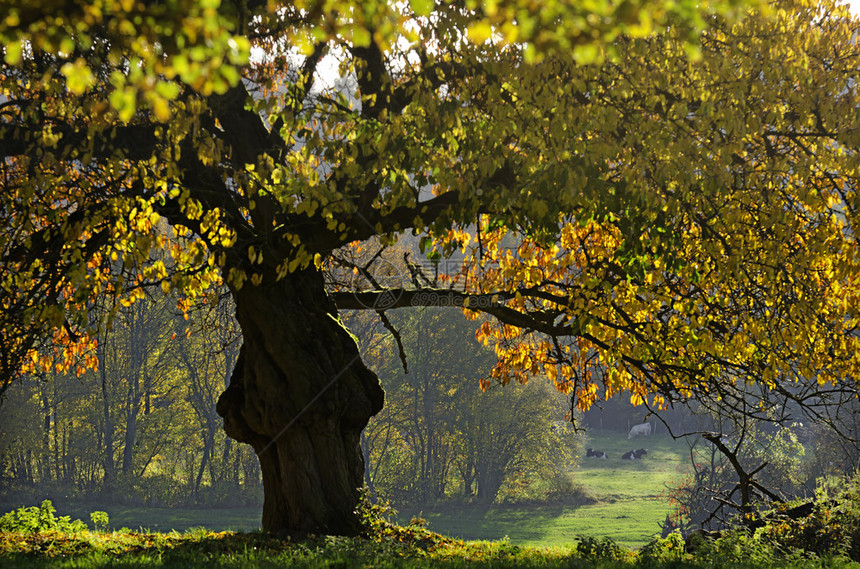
(634, 454)
(591, 453)
(643, 429)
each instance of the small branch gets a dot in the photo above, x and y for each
(397, 338)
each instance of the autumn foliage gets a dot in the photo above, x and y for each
(670, 215)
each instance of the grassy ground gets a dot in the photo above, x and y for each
(627, 509)
(174, 519)
(393, 547)
(628, 504)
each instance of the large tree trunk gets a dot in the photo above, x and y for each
(300, 395)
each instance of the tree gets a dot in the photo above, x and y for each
(207, 366)
(692, 288)
(683, 224)
(146, 418)
(738, 473)
(440, 436)
(514, 437)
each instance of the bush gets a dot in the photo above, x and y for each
(160, 490)
(599, 548)
(816, 533)
(660, 551)
(846, 512)
(100, 520)
(842, 498)
(375, 517)
(738, 548)
(698, 496)
(38, 519)
(831, 528)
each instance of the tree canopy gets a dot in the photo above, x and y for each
(638, 215)
(111, 85)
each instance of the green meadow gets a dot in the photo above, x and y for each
(626, 495)
(624, 503)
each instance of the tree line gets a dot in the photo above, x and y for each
(142, 428)
(442, 437)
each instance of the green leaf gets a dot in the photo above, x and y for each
(125, 103)
(360, 37)
(422, 7)
(14, 50)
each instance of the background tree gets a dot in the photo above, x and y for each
(751, 467)
(207, 361)
(832, 450)
(671, 241)
(66, 436)
(519, 445)
(441, 437)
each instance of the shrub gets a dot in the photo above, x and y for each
(842, 498)
(738, 548)
(38, 519)
(816, 533)
(831, 528)
(599, 548)
(847, 514)
(700, 495)
(670, 548)
(375, 517)
(100, 520)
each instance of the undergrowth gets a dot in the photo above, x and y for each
(384, 544)
(43, 519)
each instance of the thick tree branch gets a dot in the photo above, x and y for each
(132, 142)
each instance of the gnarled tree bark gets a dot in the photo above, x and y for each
(301, 395)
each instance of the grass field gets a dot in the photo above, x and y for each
(627, 508)
(628, 505)
(173, 519)
(386, 547)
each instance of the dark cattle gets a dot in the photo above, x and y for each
(591, 453)
(634, 454)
